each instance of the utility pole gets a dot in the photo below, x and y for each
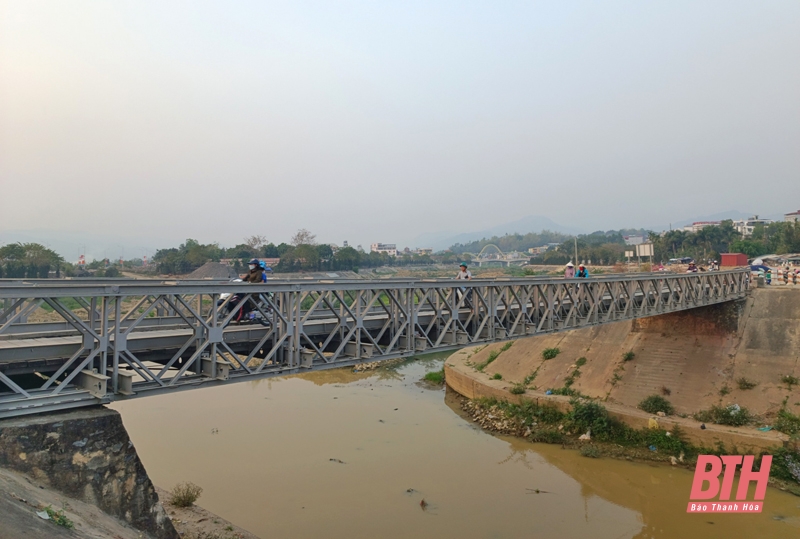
(576, 251)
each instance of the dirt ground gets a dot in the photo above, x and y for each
(197, 523)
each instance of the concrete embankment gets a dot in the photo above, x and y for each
(694, 359)
(87, 456)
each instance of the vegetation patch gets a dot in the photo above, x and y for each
(628, 356)
(733, 415)
(744, 383)
(492, 356)
(517, 389)
(59, 518)
(580, 362)
(787, 422)
(497, 376)
(790, 381)
(435, 377)
(550, 353)
(506, 346)
(656, 403)
(590, 450)
(724, 390)
(185, 494)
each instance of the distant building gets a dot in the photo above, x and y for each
(697, 226)
(384, 248)
(538, 250)
(745, 227)
(424, 251)
(345, 244)
(633, 240)
(792, 217)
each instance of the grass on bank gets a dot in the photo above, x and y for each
(550, 425)
(435, 377)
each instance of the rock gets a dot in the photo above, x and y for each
(673, 461)
(661, 414)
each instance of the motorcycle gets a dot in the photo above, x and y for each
(248, 314)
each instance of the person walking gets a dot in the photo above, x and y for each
(569, 271)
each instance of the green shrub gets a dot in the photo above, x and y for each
(581, 362)
(787, 422)
(568, 391)
(506, 346)
(628, 356)
(656, 403)
(785, 464)
(185, 494)
(497, 376)
(590, 451)
(435, 377)
(733, 415)
(517, 389)
(550, 353)
(724, 390)
(548, 436)
(744, 383)
(790, 381)
(59, 518)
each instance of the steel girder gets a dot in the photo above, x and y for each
(127, 339)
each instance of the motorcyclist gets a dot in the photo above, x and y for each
(256, 272)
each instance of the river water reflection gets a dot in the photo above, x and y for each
(266, 454)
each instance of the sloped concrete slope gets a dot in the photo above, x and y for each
(693, 358)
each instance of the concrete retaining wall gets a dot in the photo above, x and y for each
(87, 455)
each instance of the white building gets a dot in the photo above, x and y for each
(792, 217)
(387, 248)
(697, 226)
(745, 227)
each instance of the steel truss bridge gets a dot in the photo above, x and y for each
(96, 342)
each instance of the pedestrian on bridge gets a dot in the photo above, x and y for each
(582, 273)
(463, 273)
(569, 271)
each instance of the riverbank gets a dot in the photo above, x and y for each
(598, 428)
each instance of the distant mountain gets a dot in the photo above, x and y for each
(532, 223)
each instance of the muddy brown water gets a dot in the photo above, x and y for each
(268, 453)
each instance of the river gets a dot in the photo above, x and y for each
(338, 454)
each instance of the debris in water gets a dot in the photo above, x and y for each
(396, 409)
(337, 460)
(423, 504)
(214, 431)
(381, 420)
(410, 490)
(537, 491)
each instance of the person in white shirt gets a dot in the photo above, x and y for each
(464, 273)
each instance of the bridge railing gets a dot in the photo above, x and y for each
(90, 343)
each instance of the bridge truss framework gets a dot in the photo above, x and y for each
(136, 338)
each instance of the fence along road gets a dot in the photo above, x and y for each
(126, 339)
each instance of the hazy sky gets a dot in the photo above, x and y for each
(379, 121)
